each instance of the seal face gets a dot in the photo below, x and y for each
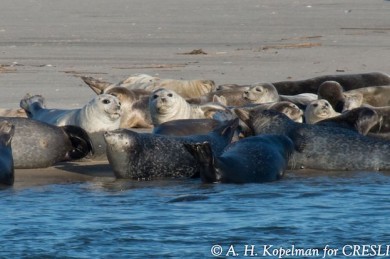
(322, 147)
(102, 113)
(261, 93)
(319, 110)
(7, 175)
(36, 144)
(254, 159)
(145, 156)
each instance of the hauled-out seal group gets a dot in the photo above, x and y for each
(224, 133)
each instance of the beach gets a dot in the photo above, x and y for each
(46, 46)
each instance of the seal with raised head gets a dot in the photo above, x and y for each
(7, 174)
(322, 147)
(166, 105)
(319, 110)
(266, 92)
(347, 81)
(37, 144)
(254, 159)
(102, 113)
(145, 156)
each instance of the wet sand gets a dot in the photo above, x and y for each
(45, 47)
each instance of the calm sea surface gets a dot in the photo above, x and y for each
(185, 219)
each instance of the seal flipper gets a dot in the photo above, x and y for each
(367, 119)
(81, 143)
(204, 155)
(98, 86)
(299, 140)
(31, 104)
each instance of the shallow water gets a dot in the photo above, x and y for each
(185, 219)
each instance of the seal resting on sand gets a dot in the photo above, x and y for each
(37, 144)
(319, 110)
(251, 160)
(100, 114)
(322, 147)
(7, 175)
(145, 156)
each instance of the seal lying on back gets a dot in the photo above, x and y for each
(348, 81)
(322, 147)
(266, 92)
(166, 105)
(145, 156)
(102, 113)
(251, 160)
(319, 110)
(185, 88)
(6, 160)
(37, 144)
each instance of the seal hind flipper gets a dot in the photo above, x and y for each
(204, 155)
(32, 103)
(367, 119)
(299, 140)
(98, 86)
(81, 143)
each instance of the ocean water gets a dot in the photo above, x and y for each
(312, 215)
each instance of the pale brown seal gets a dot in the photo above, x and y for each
(102, 113)
(348, 82)
(166, 105)
(319, 110)
(231, 97)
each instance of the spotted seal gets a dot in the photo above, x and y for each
(322, 147)
(37, 144)
(254, 159)
(102, 113)
(348, 82)
(166, 105)
(146, 156)
(7, 174)
(319, 110)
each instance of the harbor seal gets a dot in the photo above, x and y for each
(187, 127)
(232, 97)
(37, 144)
(7, 174)
(185, 88)
(146, 156)
(348, 82)
(266, 92)
(319, 110)
(102, 113)
(166, 105)
(251, 160)
(322, 147)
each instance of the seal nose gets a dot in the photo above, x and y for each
(163, 99)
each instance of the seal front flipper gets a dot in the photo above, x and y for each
(32, 104)
(204, 155)
(98, 86)
(299, 139)
(81, 143)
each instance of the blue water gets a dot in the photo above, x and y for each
(184, 219)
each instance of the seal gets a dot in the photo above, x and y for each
(332, 91)
(37, 144)
(187, 127)
(231, 97)
(146, 156)
(319, 110)
(322, 147)
(347, 81)
(266, 92)
(166, 105)
(102, 113)
(251, 160)
(230, 87)
(185, 88)
(7, 174)
(134, 106)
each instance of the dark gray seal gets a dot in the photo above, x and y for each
(7, 174)
(37, 144)
(322, 147)
(145, 156)
(187, 127)
(347, 81)
(251, 160)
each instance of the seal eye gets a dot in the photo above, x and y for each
(258, 89)
(170, 95)
(315, 105)
(105, 101)
(326, 104)
(155, 96)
